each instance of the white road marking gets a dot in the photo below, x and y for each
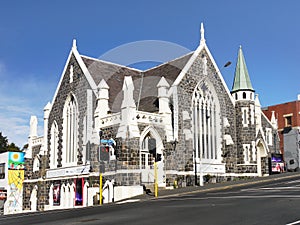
(293, 223)
(293, 181)
(272, 189)
(128, 201)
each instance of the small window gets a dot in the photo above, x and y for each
(246, 154)
(36, 165)
(2, 170)
(269, 136)
(245, 116)
(244, 95)
(288, 121)
(236, 96)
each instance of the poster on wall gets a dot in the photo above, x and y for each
(79, 191)
(56, 194)
(16, 160)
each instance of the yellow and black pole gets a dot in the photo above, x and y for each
(155, 179)
(100, 188)
(100, 169)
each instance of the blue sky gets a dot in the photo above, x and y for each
(36, 37)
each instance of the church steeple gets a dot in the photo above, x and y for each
(241, 76)
(242, 88)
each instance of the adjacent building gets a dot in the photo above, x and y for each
(288, 117)
(115, 121)
(11, 182)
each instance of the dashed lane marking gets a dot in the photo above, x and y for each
(128, 201)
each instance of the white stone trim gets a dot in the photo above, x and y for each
(82, 66)
(190, 63)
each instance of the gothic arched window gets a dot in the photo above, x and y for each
(70, 127)
(53, 145)
(205, 120)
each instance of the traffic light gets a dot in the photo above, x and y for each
(158, 157)
(104, 153)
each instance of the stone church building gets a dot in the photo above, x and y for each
(114, 120)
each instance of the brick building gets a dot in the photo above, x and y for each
(182, 110)
(288, 118)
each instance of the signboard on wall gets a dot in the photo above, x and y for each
(56, 194)
(79, 182)
(15, 182)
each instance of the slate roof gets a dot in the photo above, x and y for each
(114, 74)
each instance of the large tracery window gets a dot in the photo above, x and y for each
(54, 145)
(205, 124)
(70, 127)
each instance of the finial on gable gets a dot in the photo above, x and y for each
(74, 44)
(202, 40)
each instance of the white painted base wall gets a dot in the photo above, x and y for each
(123, 192)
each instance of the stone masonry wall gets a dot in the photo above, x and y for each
(195, 75)
(78, 88)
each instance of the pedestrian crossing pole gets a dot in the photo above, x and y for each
(155, 180)
(100, 169)
(100, 189)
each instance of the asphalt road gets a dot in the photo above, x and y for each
(272, 203)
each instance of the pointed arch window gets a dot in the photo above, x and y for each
(36, 164)
(53, 145)
(148, 147)
(70, 129)
(205, 120)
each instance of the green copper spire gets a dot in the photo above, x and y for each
(241, 76)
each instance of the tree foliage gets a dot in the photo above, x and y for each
(5, 146)
(3, 143)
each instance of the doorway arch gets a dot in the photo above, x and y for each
(33, 199)
(262, 152)
(150, 138)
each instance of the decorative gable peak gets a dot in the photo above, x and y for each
(274, 120)
(257, 102)
(33, 126)
(128, 84)
(74, 46)
(103, 85)
(163, 83)
(202, 38)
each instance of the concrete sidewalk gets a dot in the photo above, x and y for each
(163, 193)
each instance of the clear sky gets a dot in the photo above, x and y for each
(36, 38)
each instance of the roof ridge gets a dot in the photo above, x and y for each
(168, 62)
(111, 63)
